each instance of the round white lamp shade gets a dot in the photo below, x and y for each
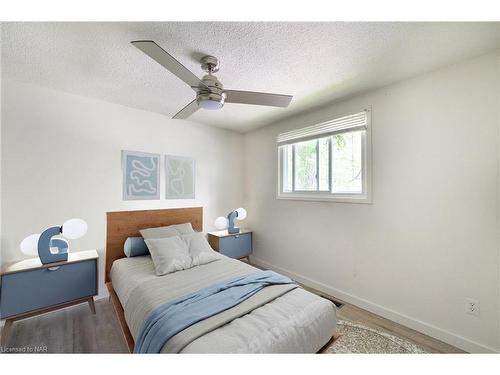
(74, 228)
(221, 223)
(29, 245)
(242, 213)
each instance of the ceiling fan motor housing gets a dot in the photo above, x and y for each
(214, 97)
(210, 64)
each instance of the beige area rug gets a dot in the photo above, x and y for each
(357, 338)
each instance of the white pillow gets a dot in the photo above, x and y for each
(185, 228)
(169, 254)
(199, 249)
(168, 231)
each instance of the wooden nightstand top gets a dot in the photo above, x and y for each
(224, 233)
(34, 263)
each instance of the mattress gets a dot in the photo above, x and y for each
(296, 322)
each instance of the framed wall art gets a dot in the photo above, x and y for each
(179, 177)
(141, 175)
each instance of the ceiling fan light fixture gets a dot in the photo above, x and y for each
(210, 101)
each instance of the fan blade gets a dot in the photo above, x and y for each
(187, 110)
(257, 98)
(163, 58)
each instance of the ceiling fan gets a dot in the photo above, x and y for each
(210, 94)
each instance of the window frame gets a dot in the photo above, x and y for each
(311, 195)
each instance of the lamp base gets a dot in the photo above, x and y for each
(233, 230)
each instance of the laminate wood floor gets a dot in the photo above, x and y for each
(76, 330)
(71, 330)
(357, 315)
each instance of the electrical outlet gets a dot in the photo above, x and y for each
(472, 306)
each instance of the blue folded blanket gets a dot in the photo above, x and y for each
(172, 317)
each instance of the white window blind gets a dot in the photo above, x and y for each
(356, 121)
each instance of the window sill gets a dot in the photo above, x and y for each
(335, 198)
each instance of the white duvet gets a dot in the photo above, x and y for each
(296, 322)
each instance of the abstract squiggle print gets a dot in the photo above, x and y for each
(141, 174)
(177, 179)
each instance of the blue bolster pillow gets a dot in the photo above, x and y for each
(135, 246)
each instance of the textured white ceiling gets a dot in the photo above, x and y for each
(315, 62)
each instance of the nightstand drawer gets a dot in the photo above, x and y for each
(236, 245)
(21, 292)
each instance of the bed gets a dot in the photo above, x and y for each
(296, 321)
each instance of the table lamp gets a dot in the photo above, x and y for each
(222, 222)
(50, 249)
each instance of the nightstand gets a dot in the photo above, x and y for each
(236, 245)
(29, 288)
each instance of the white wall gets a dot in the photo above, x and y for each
(61, 159)
(430, 238)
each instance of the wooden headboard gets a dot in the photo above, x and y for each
(123, 224)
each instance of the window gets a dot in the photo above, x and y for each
(327, 161)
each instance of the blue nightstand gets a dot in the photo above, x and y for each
(29, 288)
(235, 245)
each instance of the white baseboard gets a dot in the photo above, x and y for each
(103, 293)
(426, 328)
